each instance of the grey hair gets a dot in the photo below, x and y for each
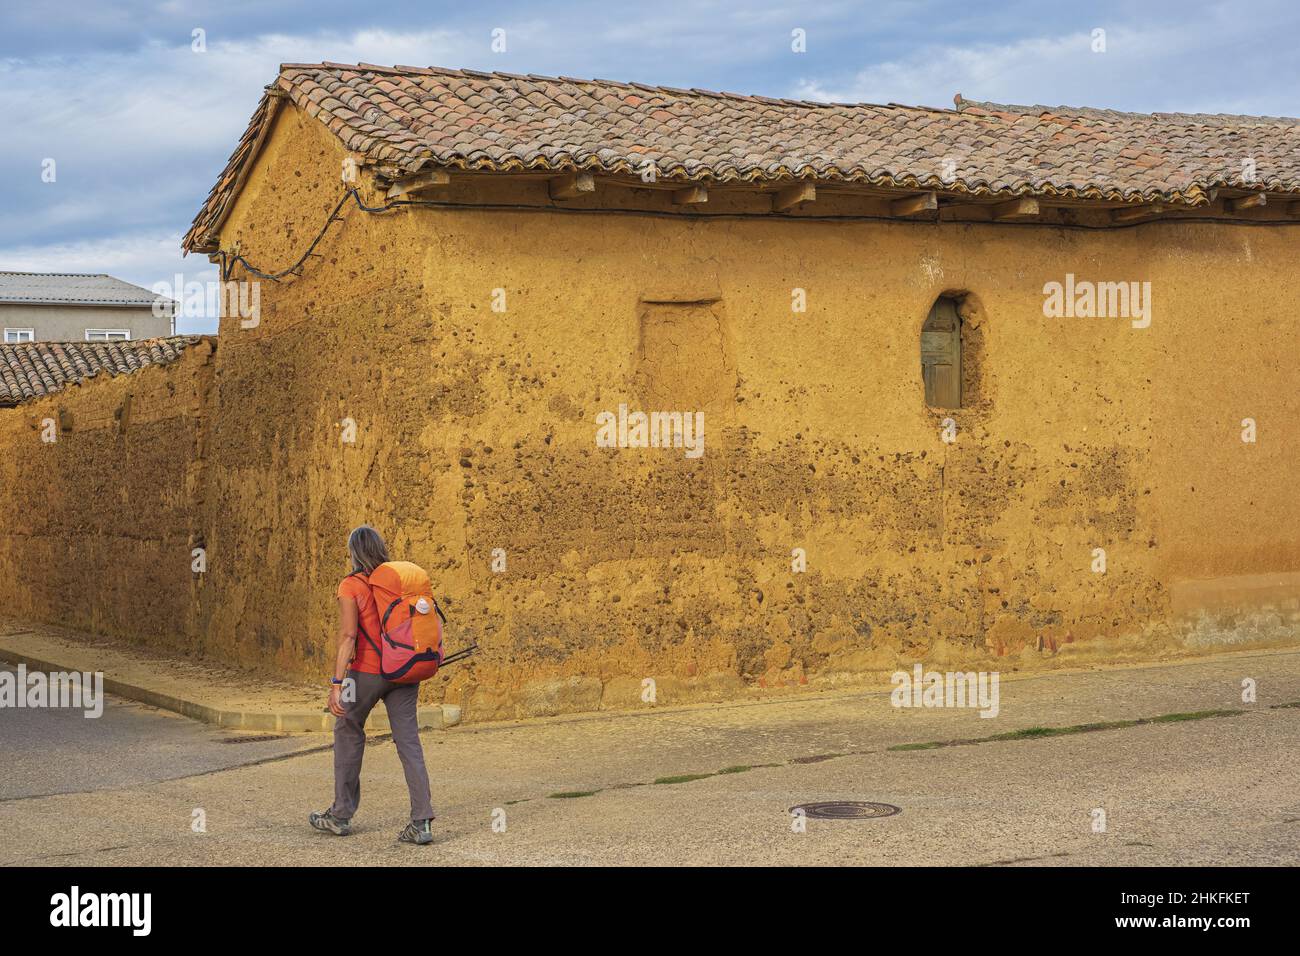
(367, 548)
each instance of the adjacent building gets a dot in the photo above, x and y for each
(80, 307)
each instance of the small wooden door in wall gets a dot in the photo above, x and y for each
(941, 355)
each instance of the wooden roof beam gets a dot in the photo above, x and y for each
(690, 196)
(1254, 201)
(792, 196)
(572, 186)
(413, 184)
(1131, 213)
(911, 205)
(1015, 209)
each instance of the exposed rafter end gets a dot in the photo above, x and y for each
(911, 205)
(413, 184)
(1016, 209)
(1131, 213)
(690, 196)
(572, 186)
(1255, 201)
(793, 196)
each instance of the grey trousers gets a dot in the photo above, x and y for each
(350, 744)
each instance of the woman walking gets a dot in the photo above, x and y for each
(356, 669)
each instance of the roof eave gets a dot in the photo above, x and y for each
(209, 241)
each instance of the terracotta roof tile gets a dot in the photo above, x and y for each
(34, 369)
(408, 118)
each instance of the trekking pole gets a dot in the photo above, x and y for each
(460, 655)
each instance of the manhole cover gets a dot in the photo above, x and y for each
(847, 810)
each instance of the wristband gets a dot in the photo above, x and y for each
(335, 680)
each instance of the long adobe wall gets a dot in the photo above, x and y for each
(444, 374)
(102, 504)
(584, 570)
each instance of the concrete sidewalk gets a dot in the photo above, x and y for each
(202, 691)
(1186, 770)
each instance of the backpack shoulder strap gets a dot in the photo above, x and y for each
(361, 628)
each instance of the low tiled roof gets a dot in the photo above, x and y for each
(72, 288)
(408, 118)
(34, 369)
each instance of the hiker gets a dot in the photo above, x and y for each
(359, 662)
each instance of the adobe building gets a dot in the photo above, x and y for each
(996, 385)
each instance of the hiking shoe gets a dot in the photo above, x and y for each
(417, 832)
(329, 823)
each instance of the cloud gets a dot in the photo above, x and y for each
(1183, 68)
(158, 106)
(138, 138)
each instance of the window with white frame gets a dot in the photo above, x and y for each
(108, 335)
(13, 336)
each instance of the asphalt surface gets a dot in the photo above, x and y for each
(1216, 790)
(57, 750)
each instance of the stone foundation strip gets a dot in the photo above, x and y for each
(127, 675)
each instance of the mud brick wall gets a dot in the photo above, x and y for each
(475, 436)
(97, 527)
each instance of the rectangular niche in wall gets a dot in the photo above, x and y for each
(684, 358)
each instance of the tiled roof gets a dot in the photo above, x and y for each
(72, 288)
(404, 119)
(34, 369)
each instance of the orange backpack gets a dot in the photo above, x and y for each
(410, 622)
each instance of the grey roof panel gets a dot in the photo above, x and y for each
(71, 288)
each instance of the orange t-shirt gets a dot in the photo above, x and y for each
(366, 659)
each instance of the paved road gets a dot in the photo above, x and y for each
(59, 750)
(1217, 790)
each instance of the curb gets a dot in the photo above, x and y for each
(437, 717)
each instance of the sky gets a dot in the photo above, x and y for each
(139, 113)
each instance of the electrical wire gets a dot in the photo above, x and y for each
(229, 260)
